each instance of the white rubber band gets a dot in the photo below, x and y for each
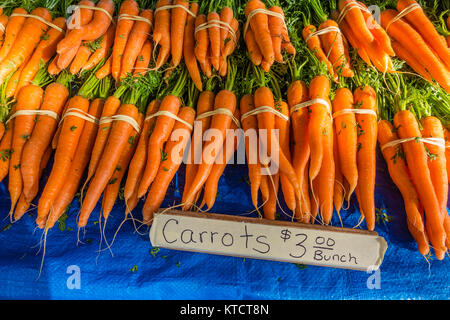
(265, 11)
(224, 111)
(121, 117)
(264, 109)
(357, 111)
(403, 13)
(2, 28)
(98, 9)
(170, 115)
(323, 31)
(80, 114)
(217, 24)
(49, 113)
(172, 6)
(309, 103)
(38, 18)
(125, 16)
(434, 141)
(349, 6)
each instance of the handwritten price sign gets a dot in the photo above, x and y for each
(269, 240)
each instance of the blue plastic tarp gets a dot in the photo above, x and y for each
(132, 269)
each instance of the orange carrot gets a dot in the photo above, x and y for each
(339, 184)
(355, 19)
(143, 59)
(189, 48)
(270, 207)
(201, 40)
(411, 60)
(252, 48)
(13, 28)
(161, 33)
(80, 58)
(214, 39)
(5, 149)
(105, 70)
(276, 26)
(177, 28)
(102, 51)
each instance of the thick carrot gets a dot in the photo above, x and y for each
(201, 40)
(161, 133)
(5, 149)
(117, 142)
(399, 173)
(102, 52)
(80, 58)
(418, 19)
(283, 128)
(175, 149)
(143, 59)
(55, 97)
(220, 123)
(333, 45)
(260, 26)
(319, 118)
(53, 68)
(298, 93)
(346, 138)
(70, 133)
(105, 70)
(355, 19)
(412, 41)
(13, 82)
(214, 39)
(161, 33)
(177, 28)
(226, 16)
(411, 60)
(205, 104)
(30, 98)
(229, 47)
(287, 45)
(124, 26)
(366, 98)
(250, 127)
(112, 103)
(13, 28)
(270, 207)
(43, 53)
(77, 168)
(26, 42)
(416, 157)
(137, 164)
(339, 184)
(276, 26)
(136, 40)
(252, 48)
(189, 48)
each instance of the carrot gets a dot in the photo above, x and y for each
(276, 26)
(189, 48)
(117, 142)
(5, 149)
(13, 28)
(416, 157)
(298, 93)
(143, 59)
(399, 173)
(43, 53)
(161, 133)
(2, 130)
(103, 132)
(284, 139)
(260, 26)
(23, 205)
(124, 26)
(55, 97)
(80, 58)
(105, 70)
(265, 193)
(355, 18)
(29, 98)
(432, 128)
(4, 23)
(81, 16)
(339, 189)
(411, 60)
(252, 48)
(214, 39)
(13, 82)
(89, 32)
(380, 59)
(286, 44)
(315, 46)
(365, 98)
(161, 32)
(315, 187)
(201, 40)
(27, 40)
(346, 138)
(250, 127)
(169, 167)
(137, 164)
(319, 117)
(71, 130)
(102, 51)
(226, 16)
(333, 45)
(220, 122)
(447, 151)
(77, 168)
(412, 41)
(270, 207)
(53, 68)
(418, 19)
(224, 156)
(177, 28)
(136, 40)
(205, 104)
(113, 188)
(229, 47)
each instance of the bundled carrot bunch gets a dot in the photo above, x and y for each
(328, 44)
(365, 34)
(266, 35)
(417, 42)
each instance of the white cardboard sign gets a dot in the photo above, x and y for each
(268, 240)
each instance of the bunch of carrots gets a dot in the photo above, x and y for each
(266, 34)
(364, 33)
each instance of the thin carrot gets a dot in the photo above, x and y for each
(201, 40)
(177, 28)
(53, 68)
(13, 28)
(355, 18)
(229, 47)
(4, 22)
(80, 58)
(214, 39)
(13, 82)
(105, 70)
(411, 60)
(161, 32)
(5, 149)
(102, 51)
(189, 48)
(447, 151)
(252, 48)
(276, 26)
(270, 207)
(339, 188)
(143, 59)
